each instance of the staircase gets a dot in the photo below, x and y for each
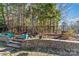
(14, 44)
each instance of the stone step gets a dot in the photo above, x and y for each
(13, 45)
(15, 42)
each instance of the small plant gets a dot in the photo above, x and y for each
(69, 33)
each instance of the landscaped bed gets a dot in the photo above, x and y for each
(41, 52)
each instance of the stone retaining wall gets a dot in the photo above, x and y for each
(53, 43)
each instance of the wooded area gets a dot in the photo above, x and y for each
(36, 18)
(29, 17)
